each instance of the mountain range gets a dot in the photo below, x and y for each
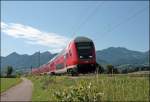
(111, 55)
(120, 55)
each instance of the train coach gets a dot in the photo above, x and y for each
(78, 57)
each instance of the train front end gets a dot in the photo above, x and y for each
(86, 57)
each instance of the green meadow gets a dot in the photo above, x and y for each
(90, 88)
(6, 83)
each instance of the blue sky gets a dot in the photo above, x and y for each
(30, 26)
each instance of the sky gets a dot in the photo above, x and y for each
(31, 26)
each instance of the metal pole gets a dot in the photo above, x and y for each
(39, 58)
(31, 69)
(97, 69)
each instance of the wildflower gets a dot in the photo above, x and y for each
(100, 93)
(89, 85)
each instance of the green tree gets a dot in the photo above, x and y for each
(124, 71)
(9, 70)
(100, 69)
(18, 74)
(110, 69)
(116, 71)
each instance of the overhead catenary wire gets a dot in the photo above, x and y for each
(112, 28)
(125, 20)
(87, 18)
(74, 25)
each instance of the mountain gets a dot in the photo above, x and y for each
(25, 61)
(113, 55)
(120, 55)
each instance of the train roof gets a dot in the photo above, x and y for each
(77, 39)
(62, 52)
(82, 39)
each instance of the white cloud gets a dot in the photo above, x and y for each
(31, 35)
(3, 25)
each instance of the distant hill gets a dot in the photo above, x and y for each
(121, 56)
(113, 55)
(25, 61)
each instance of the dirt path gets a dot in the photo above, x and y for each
(20, 92)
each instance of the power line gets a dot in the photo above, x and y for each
(87, 18)
(126, 20)
(79, 18)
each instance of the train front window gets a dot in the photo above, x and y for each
(84, 47)
(84, 50)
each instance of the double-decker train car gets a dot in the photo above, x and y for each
(78, 57)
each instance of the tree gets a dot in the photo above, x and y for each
(18, 74)
(115, 70)
(110, 69)
(124, 71)
(100, 69)
(9, 70)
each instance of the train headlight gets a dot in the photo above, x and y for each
(90, 56)
(81, 56)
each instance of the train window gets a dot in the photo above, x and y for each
(66, 55)
(60, 66)
(84, 47)
(70, 52)
(85, 50)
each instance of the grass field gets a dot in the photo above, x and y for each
(90, 88)
(6, 83)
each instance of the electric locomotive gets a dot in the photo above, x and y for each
(78, 57)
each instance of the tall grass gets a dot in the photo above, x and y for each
(124, 88)
(6, 83)
(90, 88)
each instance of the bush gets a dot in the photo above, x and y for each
(18, 74)
(100, 69)
(9, 70)
(110, 69)
(83, 92)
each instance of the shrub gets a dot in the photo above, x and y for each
(83, 92)
(9, 70)
(110, 69)
(100, 69)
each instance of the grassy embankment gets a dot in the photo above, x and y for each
(90, 88)
(6, 83)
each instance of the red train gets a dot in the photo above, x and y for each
(78, 57)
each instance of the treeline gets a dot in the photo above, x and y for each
(110, 69)
(8, 73)
(135, 69)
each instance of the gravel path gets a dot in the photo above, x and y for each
(20, 92)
